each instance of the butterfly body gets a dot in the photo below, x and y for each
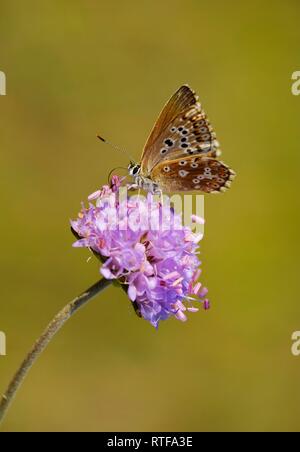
(181, 153)
(142, 182)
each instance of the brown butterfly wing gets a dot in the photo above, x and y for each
(182, 129)
(193, 173)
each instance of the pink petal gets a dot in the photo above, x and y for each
(197, 275)
(171, 275)
(202, 292)
(132, 293)
(140, 248)
(178, 281)
(197, 288)
(106, 273)
(94, 195)
(181, 316)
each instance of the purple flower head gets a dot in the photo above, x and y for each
(144, 243)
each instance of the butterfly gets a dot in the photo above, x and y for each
(181, 153)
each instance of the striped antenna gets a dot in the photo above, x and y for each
(113, 146)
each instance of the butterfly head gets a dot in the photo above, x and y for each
(134, 169)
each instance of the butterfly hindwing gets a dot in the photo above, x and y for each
(182, 129)
(193, 173)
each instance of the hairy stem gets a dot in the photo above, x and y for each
(54, 326)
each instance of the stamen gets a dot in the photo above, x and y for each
(178, 281)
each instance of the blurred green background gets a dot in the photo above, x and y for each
(75, 68)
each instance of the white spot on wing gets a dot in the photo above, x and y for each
(183, 173)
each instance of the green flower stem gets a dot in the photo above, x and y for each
(55, 325)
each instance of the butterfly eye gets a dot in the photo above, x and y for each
(184, 132)
(184, 145)
(135, 170)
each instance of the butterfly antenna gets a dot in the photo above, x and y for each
(116, 148)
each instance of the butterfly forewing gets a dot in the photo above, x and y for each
(181, 130)
(179, 102)
(193, 173)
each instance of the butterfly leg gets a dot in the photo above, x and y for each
(156, 190)
(159, 196)
(133, 187)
